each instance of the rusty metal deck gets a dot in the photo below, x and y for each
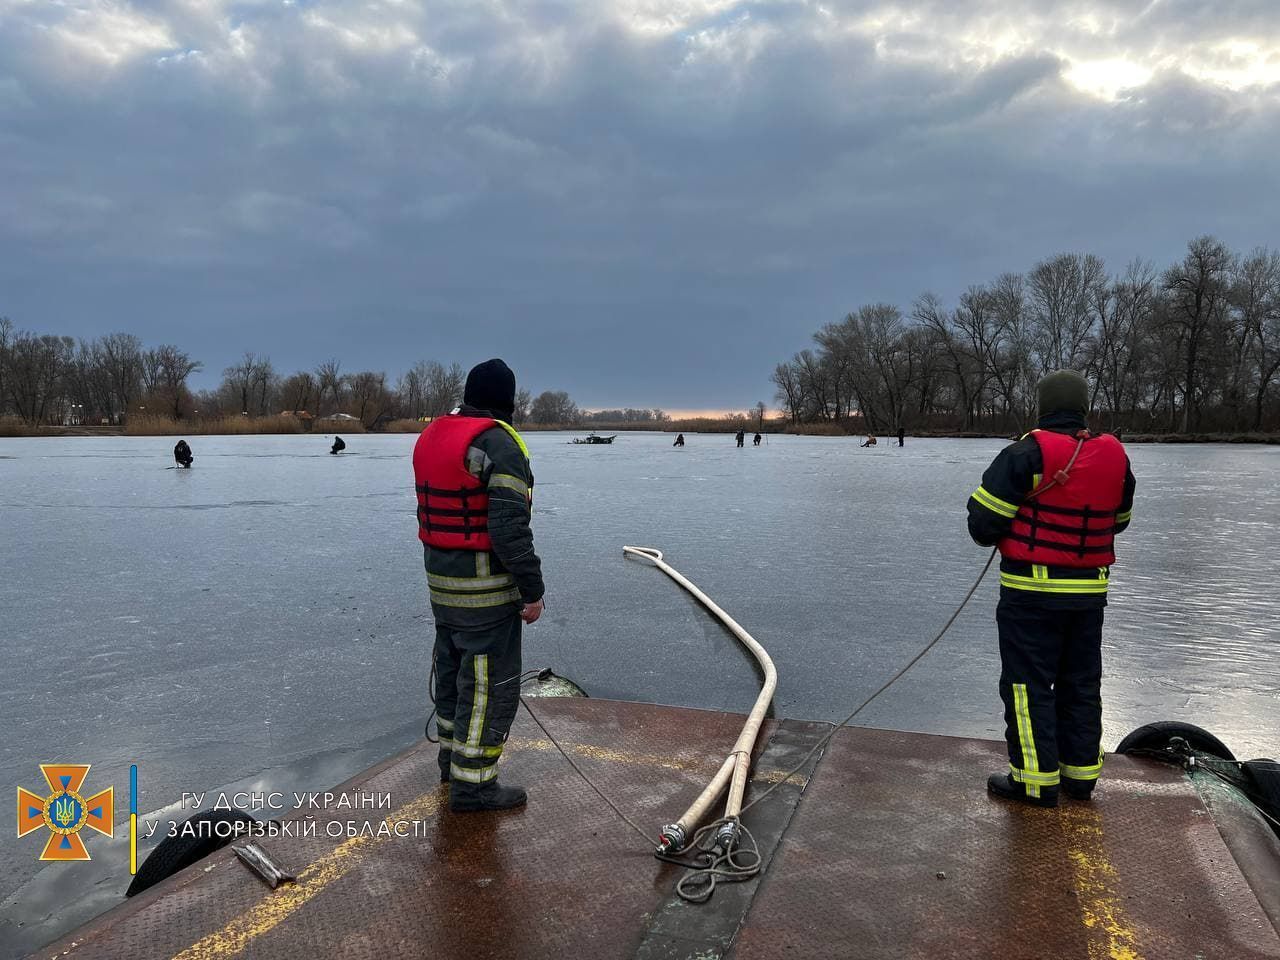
(892, 849)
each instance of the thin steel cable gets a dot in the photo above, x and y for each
(648, 842)
(885, 686)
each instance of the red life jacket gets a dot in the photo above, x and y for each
(453, 506)
(1072, 522)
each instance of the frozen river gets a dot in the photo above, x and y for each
(263, 618)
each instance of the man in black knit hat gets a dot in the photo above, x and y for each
(475, 490)
(1053, 502)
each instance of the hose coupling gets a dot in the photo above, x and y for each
(727, 835)
(672, 839)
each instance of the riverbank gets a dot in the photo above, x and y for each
(285, 425)
(833, 430)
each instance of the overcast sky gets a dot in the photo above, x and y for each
(643, 202)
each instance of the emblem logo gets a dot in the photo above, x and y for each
(65, 812)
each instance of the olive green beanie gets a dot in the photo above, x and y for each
(1063, 391)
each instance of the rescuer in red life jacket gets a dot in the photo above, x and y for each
(1052, 502)
(474, 487)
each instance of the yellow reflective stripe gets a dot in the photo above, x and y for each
(476, 752)
(470, 775)
(516, 437)
(480, 665)
(1124, 517)
(1016, 582)
(1035, 779)
(1091, 772)
(471, 583)
(482, 564)
(1039, 571)
(475, 601)
(443, 724)
(993, 503)
(1029, 775)
(509, 482)
(1035, 480)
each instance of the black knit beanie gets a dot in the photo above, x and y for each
(1063, 391)
(492, 386)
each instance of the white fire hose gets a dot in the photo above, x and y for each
(737, 765)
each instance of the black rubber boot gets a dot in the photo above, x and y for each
(1003, 785)
(1078, 789)
(467, 798)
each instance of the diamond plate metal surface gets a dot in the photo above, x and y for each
(897, 851)
(562, 877)
(892, 850)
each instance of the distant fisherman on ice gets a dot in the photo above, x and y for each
(182, 454)
(679, 440)
(338, 445)
(475, 489)
(1052, 502)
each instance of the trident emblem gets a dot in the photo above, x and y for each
(65, 812)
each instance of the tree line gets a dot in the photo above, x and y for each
(1192, 347)
(52, 379)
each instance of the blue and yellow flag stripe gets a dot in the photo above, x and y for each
(133, 819)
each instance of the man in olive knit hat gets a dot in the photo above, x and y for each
(475, 491)
(1052, 503)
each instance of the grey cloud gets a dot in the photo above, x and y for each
(640, 215)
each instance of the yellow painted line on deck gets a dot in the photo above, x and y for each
(1094, 878)
(285, 901)
(282, 903)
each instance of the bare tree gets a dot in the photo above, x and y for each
(122, 356)
(36, 372)
(787, 380)
(442, 388)
(297, 391)
(524, 401)
(1198, 288)
(554, 407)
(1256, 295)
(265, 382)
(329, 382)
(411, 389)
(370, 401)
(1059, 290)
(238, 380)
(6, 339)
(1124, 310)
(165, 370)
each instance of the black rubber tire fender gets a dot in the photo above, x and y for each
(1264, 787)
(1156, 736)
(179, 852)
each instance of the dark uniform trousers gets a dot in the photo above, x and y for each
(1050, 682)
(477, 695)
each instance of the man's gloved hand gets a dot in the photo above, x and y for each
(530, 612)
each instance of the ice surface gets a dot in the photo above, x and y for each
(269, 606)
